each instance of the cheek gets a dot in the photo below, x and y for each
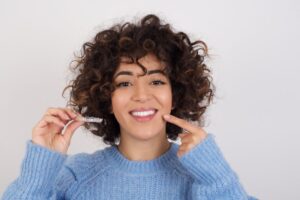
(117, 101)
(166, 99)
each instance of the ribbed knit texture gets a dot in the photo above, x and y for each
(200, 174)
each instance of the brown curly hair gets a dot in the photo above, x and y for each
(191, 82)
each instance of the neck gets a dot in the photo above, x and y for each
(143, 150)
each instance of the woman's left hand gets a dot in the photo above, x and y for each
(188, 140)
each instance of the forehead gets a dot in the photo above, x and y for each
(150, 62)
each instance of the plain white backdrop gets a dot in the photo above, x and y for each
(255, 65)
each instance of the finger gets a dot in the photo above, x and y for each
(184, 139)
(71, 129)
(73, 114)
(181, 135)
(59, 113)
(48, 119)
(181, 123)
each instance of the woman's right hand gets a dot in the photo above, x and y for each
(48, 131)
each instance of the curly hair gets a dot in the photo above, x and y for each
(91, 89)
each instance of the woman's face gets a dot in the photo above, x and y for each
(148, 92)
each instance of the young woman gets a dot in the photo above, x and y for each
(149, 85)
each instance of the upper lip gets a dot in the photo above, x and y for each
(142, 109)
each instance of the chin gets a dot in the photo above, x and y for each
(145, 135)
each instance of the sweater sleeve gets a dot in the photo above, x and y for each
(213, 177)
(43, 175)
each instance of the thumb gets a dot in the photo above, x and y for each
(71, 129)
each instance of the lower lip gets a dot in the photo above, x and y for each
(145, 118)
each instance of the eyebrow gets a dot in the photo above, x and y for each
(148, 73)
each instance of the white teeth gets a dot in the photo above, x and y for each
(144, 113)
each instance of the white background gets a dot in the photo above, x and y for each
(255, 64)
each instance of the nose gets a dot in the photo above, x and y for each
(141, 93)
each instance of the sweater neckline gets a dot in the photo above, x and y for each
(161, 163)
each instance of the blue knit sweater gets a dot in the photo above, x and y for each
(201, 174)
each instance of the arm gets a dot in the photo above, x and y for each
(214, 179)
(43, 175)
(200, 155)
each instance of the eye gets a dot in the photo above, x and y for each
(126, 83)
(158, 82)
(122, 84)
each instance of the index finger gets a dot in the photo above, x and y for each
(181, 123)
(71, 112)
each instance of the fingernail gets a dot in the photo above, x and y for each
(167, 116)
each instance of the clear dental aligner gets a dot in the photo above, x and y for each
(90, 119)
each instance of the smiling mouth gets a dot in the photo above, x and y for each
(143, 116)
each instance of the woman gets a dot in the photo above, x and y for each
(148, 84)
